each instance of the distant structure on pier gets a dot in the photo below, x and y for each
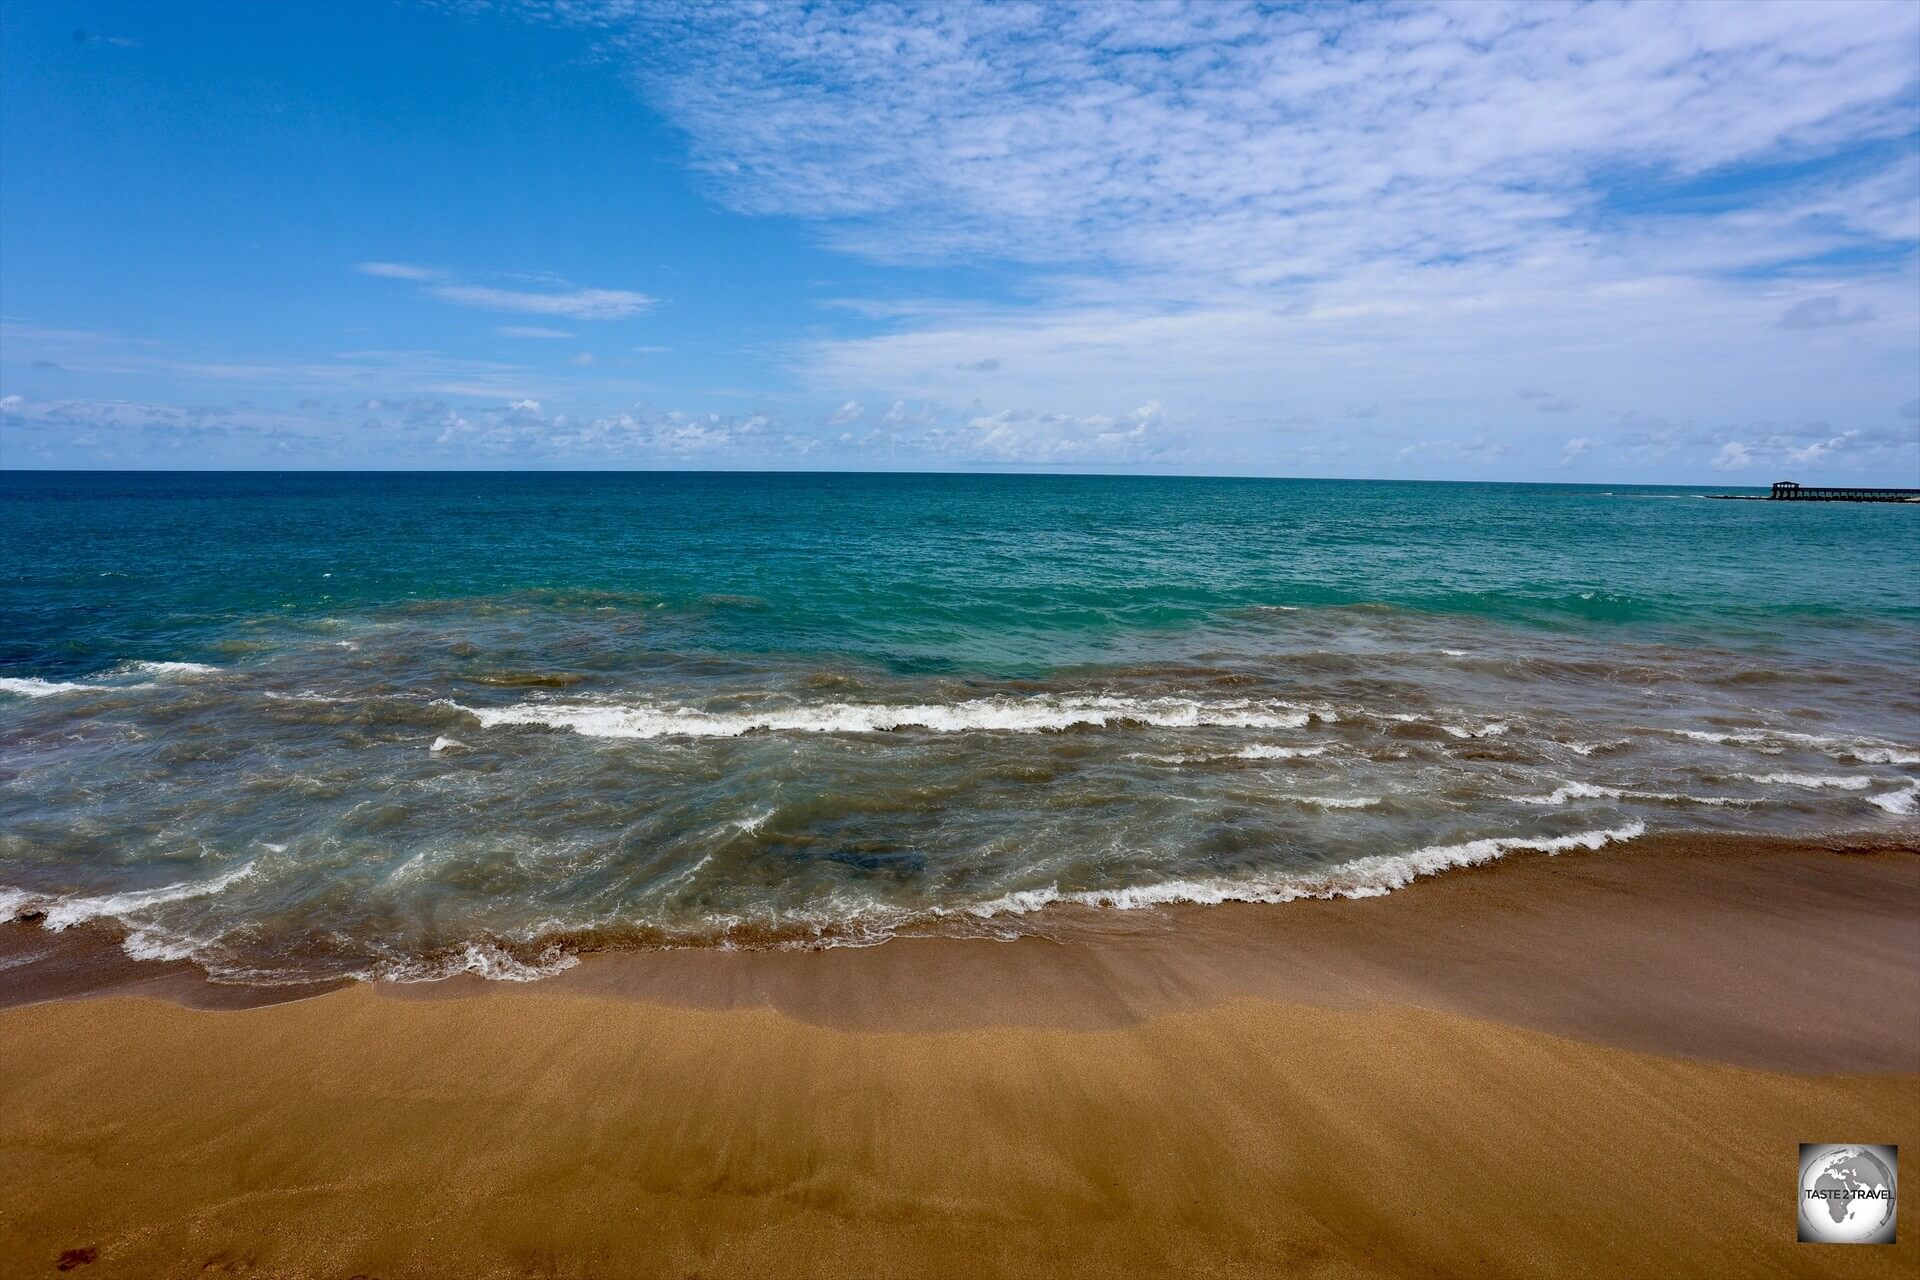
(1787, 490)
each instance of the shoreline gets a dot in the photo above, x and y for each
(1086, 967)
(1502, 1071)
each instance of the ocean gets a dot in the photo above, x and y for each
(310, 726)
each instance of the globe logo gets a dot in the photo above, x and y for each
(1848, 1194)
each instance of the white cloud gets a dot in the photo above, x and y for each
(1016, 436)
(577, 304)
(1475, 452)
(1733, 456)
(529, 331)
(1239, 141)
(1227, 207)
(360, 372)
(396, 271)
(118, 42)
(426, 430)
(1823, 312)
(1820, 448)
(572, 303)
(1812, 445)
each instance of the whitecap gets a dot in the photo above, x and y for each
(1258, 751)
(1362, 878)
(172, 668)
(486, 959)
(150, 943)
(1882, 755)
(1900, 802)
(1590, 791)
(63, 913)
(1841, 782)
(1770, 741)
(15, 901)
(34, 687)
(1755, 742)
(444, 743)
(1572, 791)
(1588, 748)
(1001, 714)
(751, 823)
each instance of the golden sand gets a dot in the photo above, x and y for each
(1093, 1107)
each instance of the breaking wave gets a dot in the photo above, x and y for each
(1362, 878)
(31, 687)
(1036, 714)
(1862, 750)
(64, 911)
(103, 682)
(1901, 803)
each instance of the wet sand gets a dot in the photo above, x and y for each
(1596, 1064)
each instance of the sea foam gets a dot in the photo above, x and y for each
(33, 687)
(1369, 877)
(1002, 714)
(1492, 729)
(64, 912)
(1774, 741)
(1592, 791)
(1840, 782)
(1897, 802)
(1265, 751)
(15, 901)
(484, 959)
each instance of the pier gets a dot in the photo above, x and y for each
(1788, 491)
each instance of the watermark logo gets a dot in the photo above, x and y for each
(1848, 1194)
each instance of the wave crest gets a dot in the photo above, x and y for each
(1362, 878)
(1036, 714)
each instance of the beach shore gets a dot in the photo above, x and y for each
(1593, 1064)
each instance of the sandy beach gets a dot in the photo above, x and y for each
(1594, 1064)
(959, 640)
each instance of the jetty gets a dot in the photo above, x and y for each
(1788, 491)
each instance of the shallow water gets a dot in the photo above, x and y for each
(305, 726)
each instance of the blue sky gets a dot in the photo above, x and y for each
(1584, 243)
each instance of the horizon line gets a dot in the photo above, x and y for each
(822, 471)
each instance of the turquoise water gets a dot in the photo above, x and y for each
(404, 725)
